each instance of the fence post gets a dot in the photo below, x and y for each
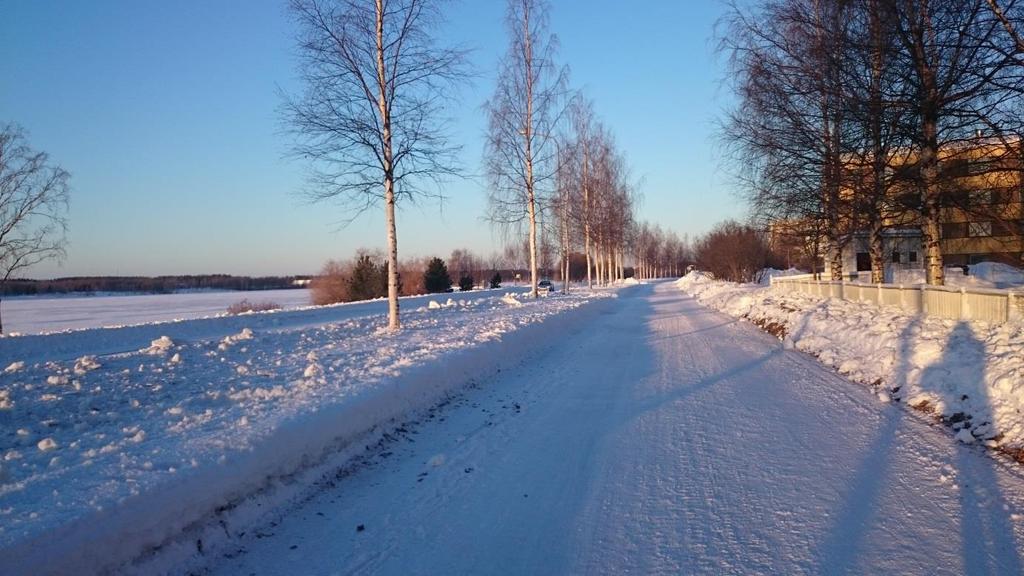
(1011, 309)
(924, 299)
(878, 300)
(965, 308)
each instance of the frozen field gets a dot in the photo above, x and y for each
(52, 314)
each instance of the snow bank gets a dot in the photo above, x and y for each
(997, 274)
(970, 374)
(122, 454)
(981, 275)
(767, 274)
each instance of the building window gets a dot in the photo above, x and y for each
(979, 229)
(954, 230)
(979, 166)
(980, 197)
(863, 262)
(895, 257)
(912, 256)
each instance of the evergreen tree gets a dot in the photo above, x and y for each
(436, 278)
(365, 282)
(466, 283)
(496, 280)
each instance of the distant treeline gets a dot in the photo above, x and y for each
(147, 285)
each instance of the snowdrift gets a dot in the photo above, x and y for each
(997, 274)
(766, 275)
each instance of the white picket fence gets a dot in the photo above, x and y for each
(956, 303)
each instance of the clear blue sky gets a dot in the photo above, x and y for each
(165, 113)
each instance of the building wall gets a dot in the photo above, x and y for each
(984, 217)
(906, 247)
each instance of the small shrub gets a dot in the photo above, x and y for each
(246, 306)
(436, 278)
(331, 286)
(466, 283)
(734, 252)
(496, 280)
(410, 277)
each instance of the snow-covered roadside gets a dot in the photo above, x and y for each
(969, 374)
(105, 458)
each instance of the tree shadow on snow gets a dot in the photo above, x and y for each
(693, 332)
(986, 531)
(801, 328)
(988, 544)
(839, 553)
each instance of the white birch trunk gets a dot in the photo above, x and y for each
(528, 141)
(389, 175)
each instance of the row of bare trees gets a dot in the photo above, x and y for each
(370, 123)
(660, 254)
(556, 173)
(593, 200)
(854, 113)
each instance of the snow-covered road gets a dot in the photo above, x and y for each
(662, 438)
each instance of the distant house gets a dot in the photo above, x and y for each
(901, 247)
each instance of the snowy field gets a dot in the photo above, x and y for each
(969, 374)
(37, 314)
(70, 344)
(114, 440)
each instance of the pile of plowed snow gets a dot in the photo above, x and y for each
(971, 374)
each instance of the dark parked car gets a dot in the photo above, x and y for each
(545, 286)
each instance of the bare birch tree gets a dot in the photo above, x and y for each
(960, 77)
(786, 131)
(1009, 23)
(521, 153)
(876, 140)
(34, 197)
(565, 204)
(370, 119)
(577, 177)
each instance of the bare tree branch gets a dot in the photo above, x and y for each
(34, 197)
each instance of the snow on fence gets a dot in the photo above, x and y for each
(987, 305)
